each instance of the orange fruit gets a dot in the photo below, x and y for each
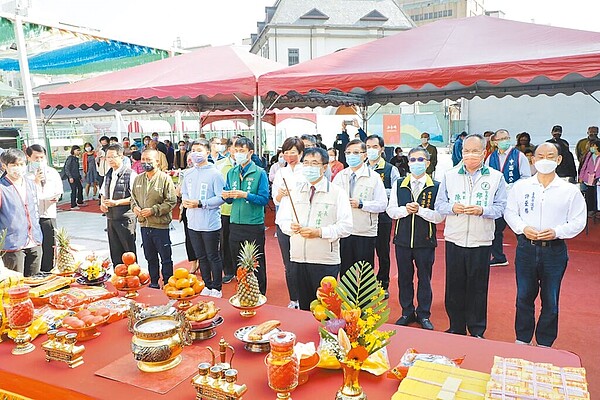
(187, 292)
(198, 286)
(182, 283)
(169, 289)
(181, 273)
(193, 279)
(172, 281)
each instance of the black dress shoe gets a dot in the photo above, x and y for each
(426, 324)
(455, 332)
(406, 319)
(478, 336)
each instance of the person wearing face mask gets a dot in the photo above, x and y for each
(566, 169)
(471, 196)
(411, 203)
(215, 145)
(160, 146)
(278, 163)
(49, 189)
(583, 145)
(324, 217)
(19, 216)
(543, 211)
(201, 197)
(101, 162)
(514, 166)
(224, 165)
(457, 148)
(389, 175)
(334, 165)
(152, 200)
(432, 150)
(181, 156)
(247, 190)
(90, 171)
(400, 161)
(71, 170)
(367, 198)
(292, 150)
(589, 174)
(163, 165)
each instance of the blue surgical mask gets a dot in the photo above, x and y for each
(372, 154)
(354, 160)
(281, 160)
(312, 174)
(197, 157)
(503, 145)
(241, 158)
(34, 165)
(417, 168)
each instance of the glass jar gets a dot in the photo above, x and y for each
(282, 365)
(19, 310)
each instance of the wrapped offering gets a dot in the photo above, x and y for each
(411, 356)
(517, 379)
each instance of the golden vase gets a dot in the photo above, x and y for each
(351, 389)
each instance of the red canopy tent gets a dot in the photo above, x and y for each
(219, 78)
(477, 56)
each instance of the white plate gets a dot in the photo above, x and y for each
(242, 334)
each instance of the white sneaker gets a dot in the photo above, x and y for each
(294, 305)
(522, 343)
(205, 292)
(216, 293)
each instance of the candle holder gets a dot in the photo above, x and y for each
(213, 382)
(283, 366)
(19, 312)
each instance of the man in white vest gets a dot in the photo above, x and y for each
(321, 218)
(471, 196)
(367, 199)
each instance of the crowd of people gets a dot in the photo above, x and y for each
(334, 207)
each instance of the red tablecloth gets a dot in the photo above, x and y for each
(32, 376)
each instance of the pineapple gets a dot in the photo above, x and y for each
(65, 261)
(247, 290)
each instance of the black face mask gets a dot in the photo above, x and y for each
(147, 166)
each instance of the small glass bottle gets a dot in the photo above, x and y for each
(19, 312)
(282, 365)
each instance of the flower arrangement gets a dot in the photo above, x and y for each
(352, 311)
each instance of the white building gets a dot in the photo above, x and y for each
(299, 30)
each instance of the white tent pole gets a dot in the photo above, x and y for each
(118, 118)
(26, 79)
(257, 125)
(178, 124)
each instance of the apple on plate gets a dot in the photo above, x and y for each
(144, 277)
(121, 270)
(133, 270)
(132, 281)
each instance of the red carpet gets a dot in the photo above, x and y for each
(92, 206)
(579, 308)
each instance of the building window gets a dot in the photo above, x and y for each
(450, 13)
(293, 56)
(265, 50)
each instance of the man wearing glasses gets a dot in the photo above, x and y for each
(471, 196)
(367, 199)
(514, 166)
(389, 174)
(323, 217)
(411, 203)
(115, 202)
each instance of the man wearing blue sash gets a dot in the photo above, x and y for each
(514, 166)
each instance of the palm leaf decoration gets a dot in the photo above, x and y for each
(359, 288)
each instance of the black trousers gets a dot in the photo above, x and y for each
(206, 248)
(590, 198)
(76, 192)
(48, 226)
(497, 250)
(238, 234)
(26, 261)
(407, 259)
(356, 248)
(189, 248)
(309, 278)
(382, 246)
(229, 266)
(467, 279)
(291, 276)
(121, 238)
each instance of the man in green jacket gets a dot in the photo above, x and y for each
(247, 190)
(152, 199)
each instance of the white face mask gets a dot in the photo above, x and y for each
(88, 149)
(545, 166)
(16, 171)
(220, 148)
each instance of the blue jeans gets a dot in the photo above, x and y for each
(157, 242)
(206, 249)
(539, 270)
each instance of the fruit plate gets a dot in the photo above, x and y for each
(183, 303)
(87, 332)
(255, 346)
(130, 293)
(82, 280)
(247, 311)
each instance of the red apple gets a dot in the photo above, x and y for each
(119, 283)
(132, 281)
(144, 277)
(121, 270)
(133, 270)
(128, 258)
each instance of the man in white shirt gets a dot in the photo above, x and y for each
(49, 189)
(367, 199)
(115, 202)
(322, 216)
(514, 166)
(411, 203)
(543, 211)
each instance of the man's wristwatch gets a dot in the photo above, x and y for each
(360, 204)
(199, 204)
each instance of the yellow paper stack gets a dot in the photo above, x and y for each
(434, 381)
(517, 379)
